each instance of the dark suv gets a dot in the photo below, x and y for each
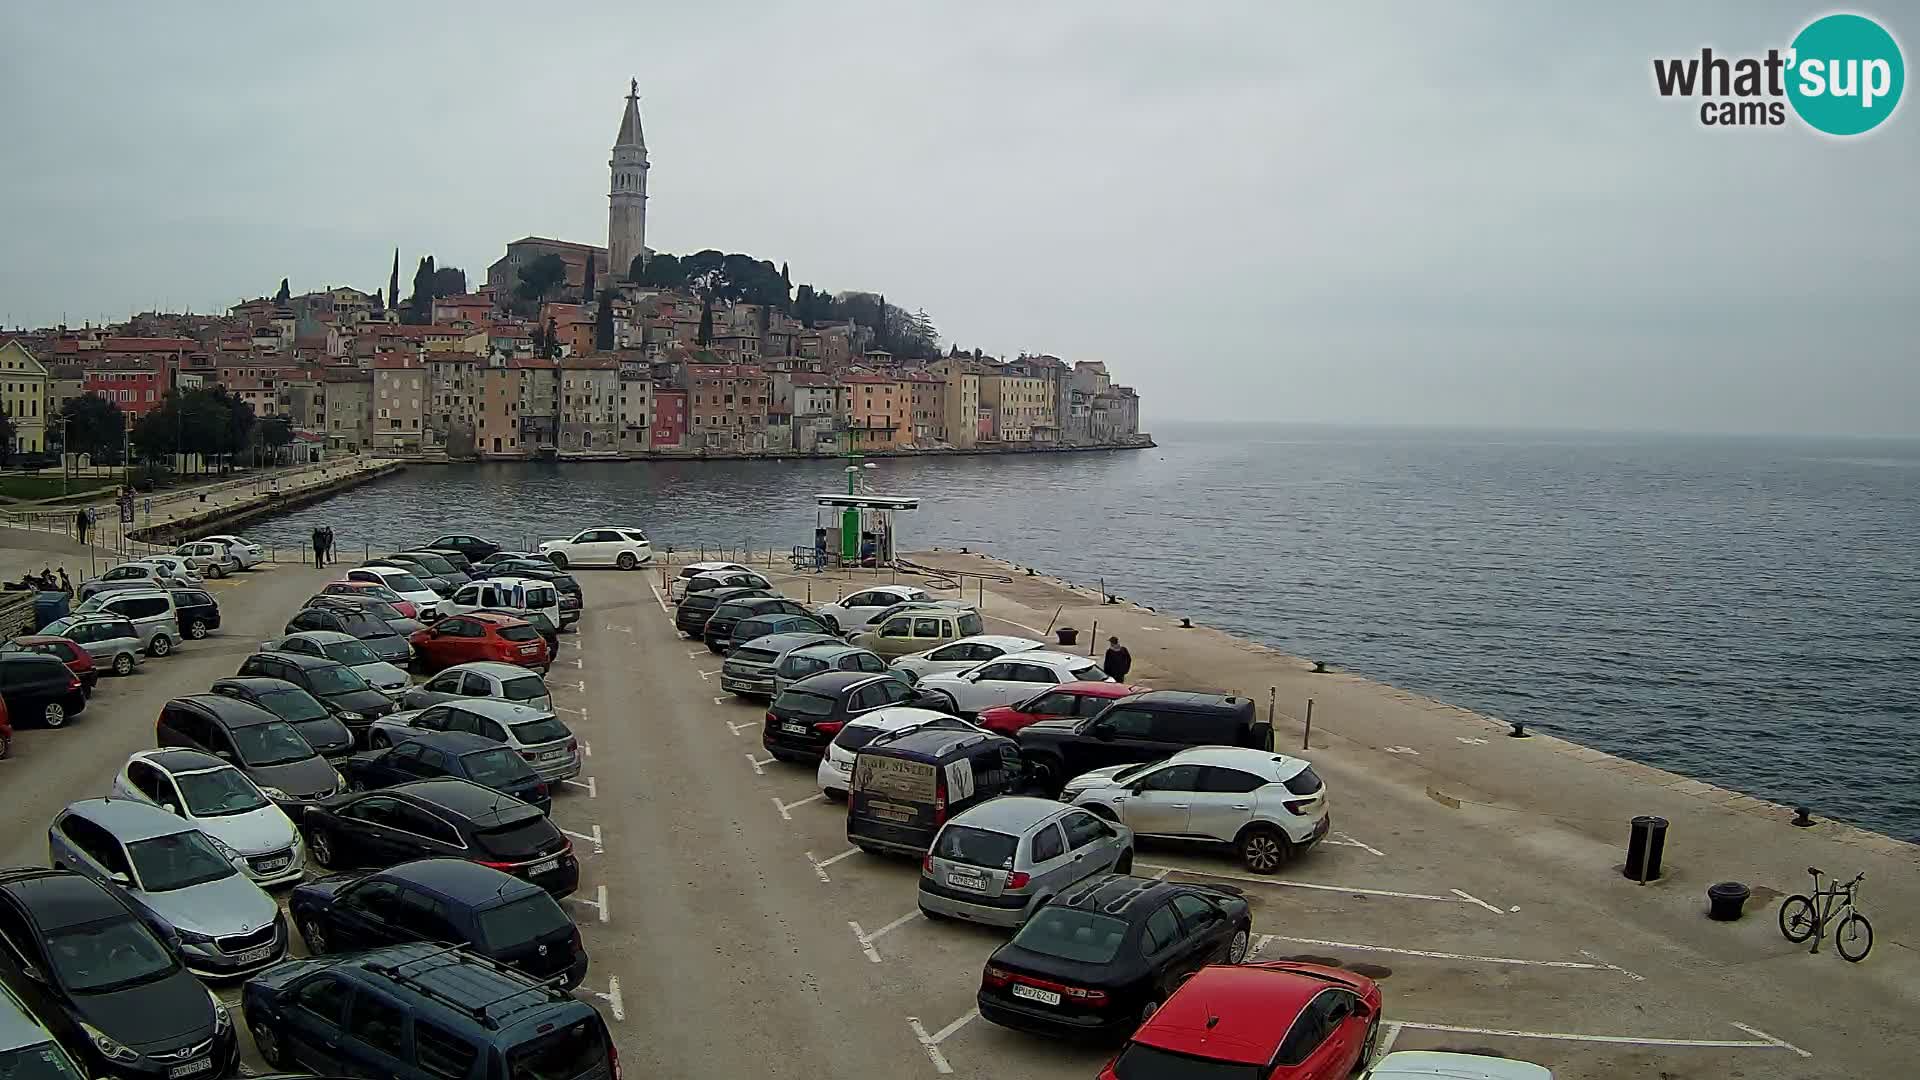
(695, 610)
(458, 754)
(808, 714)
(272, 752)
(1141, 727)
(718, 631)
(197, 612)
(352, 700)
(373, 632)
(451, 900)
(423, 1012)
(427, 819)
(36, 686)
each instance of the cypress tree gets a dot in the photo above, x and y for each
(284, 294)
(603, 323)
(586, 290)
(393, 283)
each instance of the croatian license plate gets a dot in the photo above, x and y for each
(1034, 993)
(544, 867)
(528, 650)
(794, 729)
(967, 881)
(551, 754)
(271, 865)
(254, 956)
(191, 1068)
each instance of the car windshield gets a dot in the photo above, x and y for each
(520, 839)
(277, 743)
(363, 625)
(219, 792)
(107, 954)
(1088, 674)
(561, 1055)
(350, 652)
(323, 731)
(335, 680)
(401, 581)
(976, 847)
(498, 767)
(545, 729)
(1304, 782)
(1142, 1062)
(43, 1062)
(523, 632)
(1070, 934)
(1132, 771)
(379, 609)
(292, 704)
(751, 656)
(732, 611)
(523, 688)
(434, 563)
(802, 703)
(526, 920)
(180, 861)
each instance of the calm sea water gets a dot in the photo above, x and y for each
(1745, 611)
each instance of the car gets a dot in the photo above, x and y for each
(27, 1049)
(462, 639)
(470, 1019)
(724, 579)
(249, 553)
(549, 630)
(810, 713)
(105, 984)
(1009, 679)
(677, 587)
(1440, 1065)
(509, 921)
(718, 631)
(351, 618)
(1140, 728)
(759, 626)
(348, 696)
(222, 802)
(520, 596)
(482, 679)
(196, 610)
(825, 656)
(37, 687)
(441, 818)
(1284, 1020)
(189, 888)
(1068, 701)
(387, 612)
(437, 565)
(835, 774)
(473, 547)
(541, 739)
(348, 650)
(113, 642)
(66, 650)
(151, 611)
(907, 783)
(1102, 956)
(572, 600)
(1270, 808)
(965, 653)
(460, 754)
(310, 717)
(853, 613)
(748, 670)
(510, 556)
(452, 555)
(375, 589)
(268, 749)
(426, 602)
(438, 585)
(606, 545)
(210, 559)
(177, 570)
(918, 626)
(132, 575)
(690, 618)
(1000, 861)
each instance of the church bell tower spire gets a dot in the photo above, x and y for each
(627, 192)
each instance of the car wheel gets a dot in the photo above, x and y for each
(1264, 848)
(54, 715)
(626, 561)
(216, 571)
(379, 740)
(268, 1040)
(123, 664)
(1045, 771)
(833, 624)
(1370, 1047)
(559, 561)
(1237, 948)
(834, 794)
(196, 629)
(320, 846)
(160, 646)
(945, 703)
(316, 936)
(1146, 1011)
(1124, 864)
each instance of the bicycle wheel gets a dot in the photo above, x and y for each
(1854, 938)
(1796, 918)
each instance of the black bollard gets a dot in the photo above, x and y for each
(1645, 846)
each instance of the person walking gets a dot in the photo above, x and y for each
(319, 546)
(326, 535)
(80, 525)
(1118, 660)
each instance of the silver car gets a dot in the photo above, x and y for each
(809, 660)
(749, 669)
(346, 649)
(182, 883)
(113, 642)
(151, 611)
(541, 738)
(482, 679)
(997, 862)
(133, 575)
(214, 560)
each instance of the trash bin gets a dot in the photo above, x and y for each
(48, 607)
(1725, 900)
(1067, 635)
(1645, 845)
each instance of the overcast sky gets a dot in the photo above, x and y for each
(1458, 213)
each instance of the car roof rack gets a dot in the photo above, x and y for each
(399, 973)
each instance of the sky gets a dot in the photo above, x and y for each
(1473, 214)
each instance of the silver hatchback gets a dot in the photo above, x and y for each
(999, 861)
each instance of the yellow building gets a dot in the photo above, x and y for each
(1022, 406)
(23, 397)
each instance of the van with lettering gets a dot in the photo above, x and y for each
(906, 784)
(511, 593)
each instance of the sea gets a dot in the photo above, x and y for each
(1742, 610)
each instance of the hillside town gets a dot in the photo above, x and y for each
(571, 351)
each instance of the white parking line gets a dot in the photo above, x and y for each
(866, 939)
(593, 788)
(585, 746)
(615, 1003)
(719, 701)
(1763, 1042)
(695, 654)
(593, 838)
(1574, 965)
(570, 643)
(931, 1043)
(820, 866)
(581, 713)
(1343, 840)
(599, 904)
(1613, 967)
(1036, 631)
(1461, 898)
(661, 600)
(1472, 899)
(738, 728)
(618, 629)
(759, 764)
(1387, 1040)
(705, 675)
(575, 662)
(785, 807)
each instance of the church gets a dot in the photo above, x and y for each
(626, 220)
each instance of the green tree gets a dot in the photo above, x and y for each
(284, 294)
(586, 287)
(603, 324)
(706, 320)
(552, 347)
(448, 281)
(393, 283)
(6, 438)
(803, 305)
(540, 277)
(95, 427)
(420, 304)
(275, 433)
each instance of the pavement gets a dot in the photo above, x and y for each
(733, 931)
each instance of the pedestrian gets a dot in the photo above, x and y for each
(326, 537)
(80, 525)
(1118, 662)
(66, 583)
(319, 546)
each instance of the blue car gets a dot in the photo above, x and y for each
(461, 754)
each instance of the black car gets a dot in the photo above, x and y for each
(112, 992)
(340, 688)
(367, 628)
(438, 565)
(38, 687)
(272, 752)
(1140, 727)
(1095, 960)
(539, 620)
(426, 819)
(473, 547)
(458, 754)
(450, 900)
(718, 630)
(197, 611)
(692, 615)
(460, 562)
(372, 605)
(807, 715)
(314, 721)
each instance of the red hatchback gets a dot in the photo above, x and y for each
(1067, 701)
(461, 639)
(1274, 1021)
(71, 653)
(367, 588)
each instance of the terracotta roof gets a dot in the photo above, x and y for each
(870, 379)
(590, 363)
(147, 344)
(569, 245)
(725, 371)
(394, 362)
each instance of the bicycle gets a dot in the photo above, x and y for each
(1803, 917)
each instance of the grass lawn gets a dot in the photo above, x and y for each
(47, 485)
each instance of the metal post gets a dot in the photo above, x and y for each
(1056, 618)
(1093, 636)
(1306, 736)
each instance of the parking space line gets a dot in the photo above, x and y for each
(1781, 1043)
(570, 643)
(593, 838)
(1462, 898)
(931, 1043)
(661, 600)
(738, 728)
(1472, 899)
(705, 675)
(593, 788)
(1764, 1042)
(1343, 840)
(576, 662)
(615, 1003)
(759, 764)
(1573, 965)
(784, 808)
(695, 654)
(581, 713)
(867, 939)
(585, 746)
(581, 686)
(1387, 1040)
(820, 865)
(1613, 967)
(618, 629)
(599, 904)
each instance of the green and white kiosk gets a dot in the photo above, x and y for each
(865, 526)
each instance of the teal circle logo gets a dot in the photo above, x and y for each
(1846, 74)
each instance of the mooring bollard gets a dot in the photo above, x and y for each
(1646, 844)
(1803, 817)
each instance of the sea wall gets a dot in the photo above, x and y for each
(1145, 442)
(194, 521)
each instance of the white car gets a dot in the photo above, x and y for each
(835, 774)
(410, 588)
(179, 569)
(965, 653)
(677, 588)
(208, 558)
(249, 553)
(222, 802)
(854, 612)
(607, 545)
(1268, 806)
(1009, 680)
(1437, 1065)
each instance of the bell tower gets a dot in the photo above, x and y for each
(627, 192)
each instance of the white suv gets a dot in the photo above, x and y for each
(1009, 680)
(1268, 806)
(608, 545)
(855, 612)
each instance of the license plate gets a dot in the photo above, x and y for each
(967, 881)
(271, 865)
(544, 867)
(1034, 993)
(191, 1068)
(254, 956)
(794, 729)
(528, 650)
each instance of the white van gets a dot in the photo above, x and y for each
(514, 594)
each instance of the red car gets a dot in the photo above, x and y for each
(1275, 1021)
(71, 653)
(460, 639)
(367, 588)
(1063, 702)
